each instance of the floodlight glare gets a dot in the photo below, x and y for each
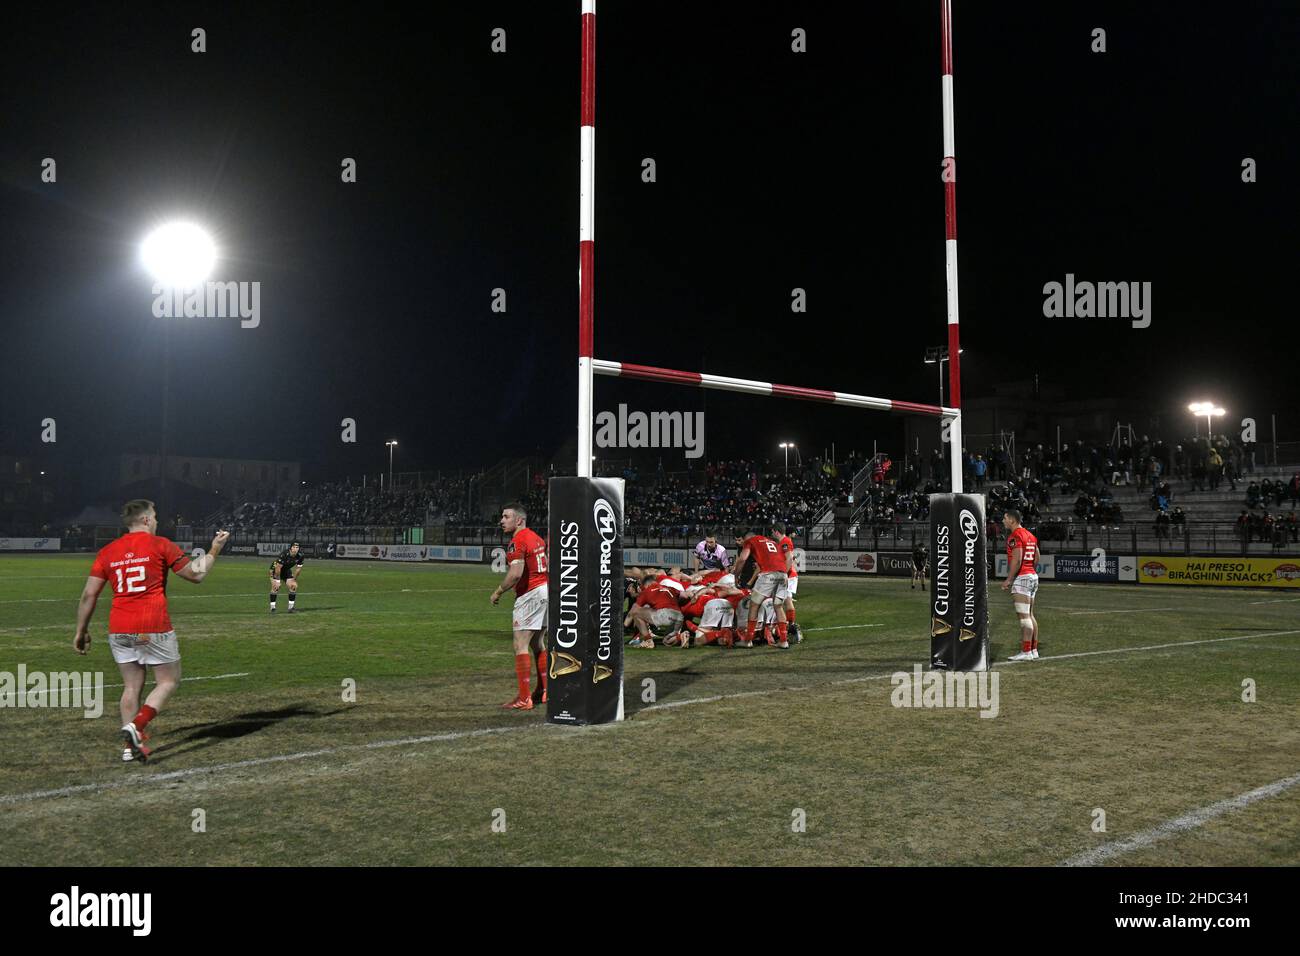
(178, 255)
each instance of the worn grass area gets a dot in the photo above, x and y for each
(736, 746)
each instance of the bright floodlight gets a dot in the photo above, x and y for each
(179, 255)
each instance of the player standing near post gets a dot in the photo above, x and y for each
(286, 567)
(140, 631)
(920, 564)
(1022, 582)
(526, 573)
(772, 584)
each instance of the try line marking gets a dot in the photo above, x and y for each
(29, 693)
(248, 594)
(1183, 824)
(35, 795)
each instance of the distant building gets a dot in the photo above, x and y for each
(1034, 412)
(25, 496)
(198, 483)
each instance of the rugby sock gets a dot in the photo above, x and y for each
(141, 719)
(1027, 644)
(691, 626)
(543, 662)
(789, 615)
(749, 628)
(522, 664)
(273, 596)
(293, 596)
(782, 631)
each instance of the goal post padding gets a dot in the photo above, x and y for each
(585, 601)
(959, 619)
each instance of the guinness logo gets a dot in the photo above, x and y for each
(571, 664)
(600, 673)
(938, 627)
(966, 634)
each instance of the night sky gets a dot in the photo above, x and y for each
(775, 170)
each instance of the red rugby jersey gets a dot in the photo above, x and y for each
(766, 552)
(529, 547)
(1028, 544)
(135, 567)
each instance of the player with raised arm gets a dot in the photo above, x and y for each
(1022, 582)
(770, 585)
(526, 573)
(285, 569)
(140, 632)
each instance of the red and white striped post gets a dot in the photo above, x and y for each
(586, 237)
(950, 248)
(650, 373)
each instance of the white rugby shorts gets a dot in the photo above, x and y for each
(717, 613)
(148, 649)
(773, 584)
(1026, 584)
(529, 613)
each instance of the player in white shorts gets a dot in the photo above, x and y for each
(526, 574)
(148, 650)
(1022, 582)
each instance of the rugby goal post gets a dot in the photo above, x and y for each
(588, 669)
(588, 365)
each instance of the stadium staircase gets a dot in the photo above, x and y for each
(823, 529)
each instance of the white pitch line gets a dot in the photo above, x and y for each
(872, 677)
(28, 693)
(1183, 824)
(248, 594)
(404, 741)
(1153, 647)
(252, 762)
(1278, 601)
(839, 627)
(1129, 610)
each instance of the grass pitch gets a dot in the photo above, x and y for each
(1135, 711)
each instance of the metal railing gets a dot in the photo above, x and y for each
(1193, 537)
